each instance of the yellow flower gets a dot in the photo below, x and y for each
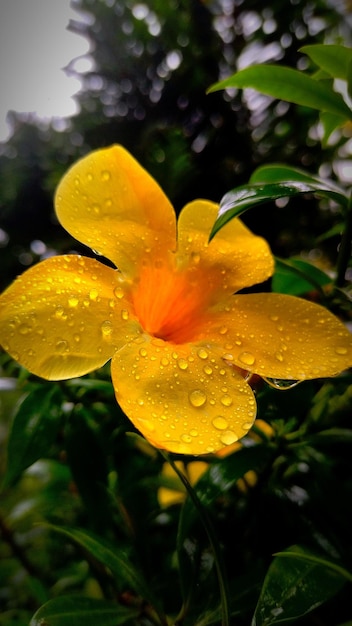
(178, 338)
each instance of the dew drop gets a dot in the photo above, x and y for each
(105, 176)
(202, 353)
(223, 330)
(61, 346)
(247, 358)
(182, 363)
(228, 437)
(143, 352)
(341, 350)
(124, 315)
(197, 398)
(226, 400)
(164, 361)
(93, 294)
(59, 312)
(24, 329)
(118, 293)
(73, 301)
(106, 328)
(220, 423)
(208, 370)
(186, 438)
(279, 356)
(283, 385)
(193, 432)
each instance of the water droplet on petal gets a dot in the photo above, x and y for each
(24, 329)
(341, 350)
(226, 400)
(105, 175)
(279, 356)
(207, 370)
(124, 315)
(118, 292)
(61, 346)
(223, 330)
(186, 438)
(247, 358)
(220, 423)
(202, 353)
(143, 352)
(283, 385)
(106, 328)
(228, 437)
(73, 301)
(59, 312)
(197, 398)
(182, 363)
(93, 294)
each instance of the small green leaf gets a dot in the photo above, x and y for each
(33, 431)
(81, 611)
(242, 198)
(296, 277)
(285, 83)
(296, 583)
(116, 559)
(333, 59)
(330, 123)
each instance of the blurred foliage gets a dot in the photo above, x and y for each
(87, 537)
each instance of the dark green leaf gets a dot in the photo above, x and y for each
(296, 583)
(240, 199)
(34, 430)
(81, 611)
(288, 84)
(113, 557)
(333, 59)
(296, 277)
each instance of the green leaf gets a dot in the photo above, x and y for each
(81, 611)
(116, 559)
(278, 173)
(242, 198)
(296, 583)
(333, 59)
(285, 83)
(296, 277)
(33, 431)
(330, 123)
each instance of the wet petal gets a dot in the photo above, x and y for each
(65, 317)
(235, 258)
(282, 337)
(182, 398)
(110, 203)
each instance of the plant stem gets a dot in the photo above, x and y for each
(220, 569)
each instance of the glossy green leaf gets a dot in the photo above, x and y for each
(333, 59)
(81, 611)
(330, 123)
(296, 277)
(33, 431)
(296, 583)
(115, 558)
(242, 198)
(285, 83)
(278, 173)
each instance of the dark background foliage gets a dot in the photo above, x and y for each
(151, 64)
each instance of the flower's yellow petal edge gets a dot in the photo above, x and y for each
(182, 398)
(235, 255)
(65, 317)
(283, 337)
(111, 204)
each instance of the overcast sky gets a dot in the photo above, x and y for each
(35, 46)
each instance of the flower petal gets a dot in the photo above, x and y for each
(181, 398)
(65, 317)
(238, 257)
(282, 337)
(110, 203)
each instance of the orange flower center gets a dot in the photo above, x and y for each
(170, 304)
